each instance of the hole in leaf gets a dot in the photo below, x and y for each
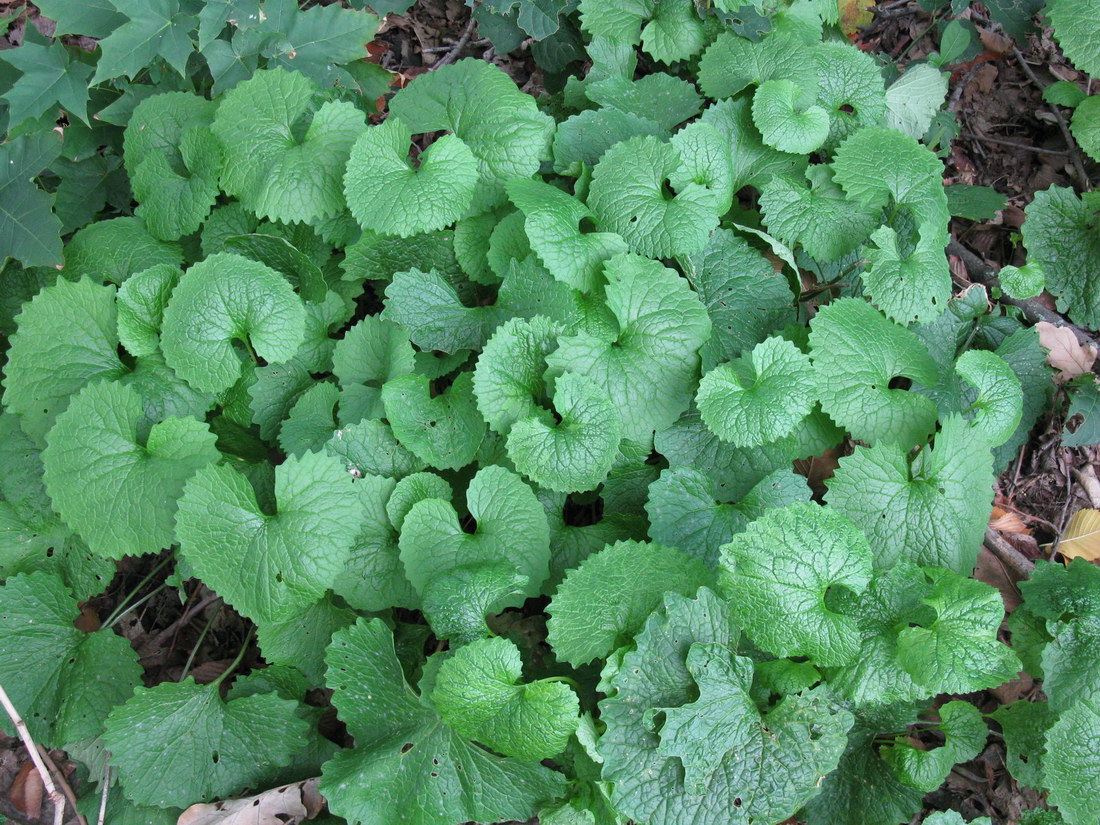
(847, 109)
(215, 757)
(737, 802)
(408, 746)
(900, 382)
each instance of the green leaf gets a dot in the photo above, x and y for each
(975, 203)
(140, 305)
(268, 565)
(959, 651)
(316, 38)
(965, 732)
(370, 353)
(66, 338)
(784, 123)
(709, 759)
(877, 163)
(1061, 236)
(154, 28)
(113, 486)
(650, 367)
(931, 509)
(759, 398)
(428, 306)
(857, 352)
(369, 447)
(481, 105)
(577, 452)
(1078, 33)
(311, 421)
(115, 249)
(820, 217)
(1025, 281)
(94, 18)
(511, 527)
(744, 296)
(732, 63)
(509, 375)
(29, 231)
(849, 89)
(555, 227)
(582, 139)
(781, 566)
(601, 604)
(999, 405)
(300, 640)
(1064, 93)
(724, 721)
(281, 178)
(684, 514)
(1071, 768)
(1084, 402)
(231, 745)
(478, 693)
(63, 681)
(285, 258)
(629, 197)
(1024, 725)
(914, 98)
(665, 99)
(754, 163)
(457, 602)
(387, 195)
(912, 287)
(405, 755)
(225, 298)
(49, 78)
(444, 431)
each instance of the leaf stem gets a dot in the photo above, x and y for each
(240, 656)
(115, 620)
(198, 643)
(564, 680)
(121, 609)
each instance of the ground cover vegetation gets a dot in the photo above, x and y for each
(620, 453)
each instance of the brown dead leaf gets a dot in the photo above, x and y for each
(27, 790)
(854, 15)
(1064, 353)
(990, 570)
(288, 805)
(1007, 522)
(1081, 539)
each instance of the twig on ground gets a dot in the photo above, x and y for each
(182, 621)
(65, 787)
(1008, 555)
(453, 54)
(1074, 151)
(56, 797)
(1086, 477)
(106, 790)
(983, 273)
(1002, 142)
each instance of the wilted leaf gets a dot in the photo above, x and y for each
(1081, 538)
(287, 805)
(1064, 353)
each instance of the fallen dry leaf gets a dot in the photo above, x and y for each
(1081, 538)
(1064, 353)
(287, 805)
(1007, 522)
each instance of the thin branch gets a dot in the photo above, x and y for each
(1074, 152)
(1002, 142)
(106, 790)
(65, 787)
(1008, 555)
(56, 798)
(453, 54)
(182, 621)
(983, 273)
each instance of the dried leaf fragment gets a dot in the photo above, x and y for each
(286, 805)
(1081, 538)
(1064, 353)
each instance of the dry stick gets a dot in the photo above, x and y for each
(1074, 152)
(983, 273)
(1002, 142)
(56, 798)
(450, 56)
(106, 790)
(182, 621)
(65, 789)
(1008, 555)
